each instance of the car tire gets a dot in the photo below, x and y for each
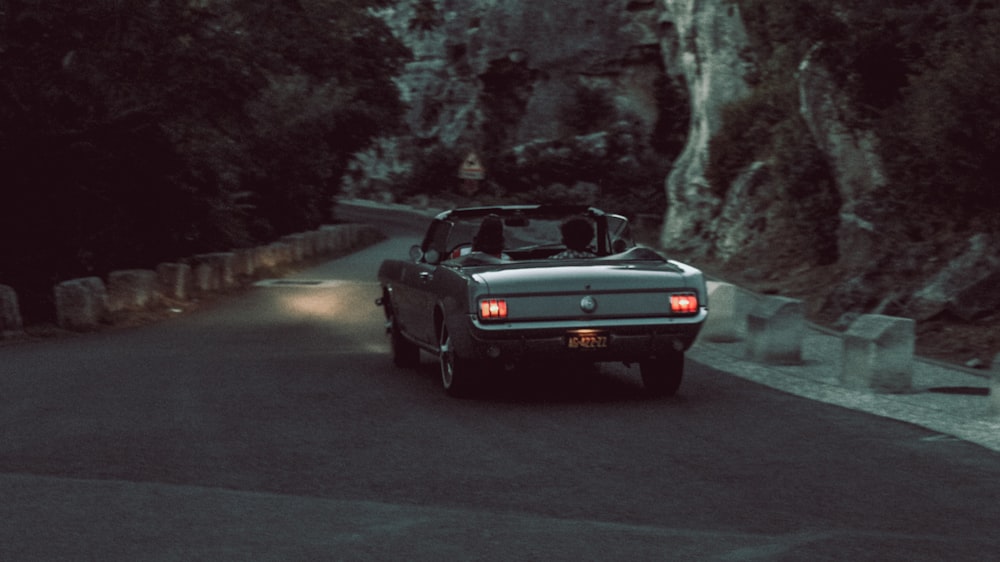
(662, 376)
(455, 371)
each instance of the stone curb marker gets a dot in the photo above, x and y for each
(85, 303)
(877, 354)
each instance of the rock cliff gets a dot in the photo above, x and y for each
(572, 84)
(545, 79)
(707, 46)
(506, 77)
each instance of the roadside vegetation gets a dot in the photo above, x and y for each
(923, 76)
(132, 132)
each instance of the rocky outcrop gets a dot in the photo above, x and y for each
(706, 44)
(965, 287)
(508, 77)
(493, 76)
(546, 85)
(854, 161)
(516, 63)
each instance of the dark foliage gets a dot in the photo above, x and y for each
(923, 76)
(506, 89)
(674, 105)
(138, 131)
(590, 110)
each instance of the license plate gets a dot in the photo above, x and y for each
(586, 341)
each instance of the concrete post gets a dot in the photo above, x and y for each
(11, 323)
(214, 271)
(132, 289)
(176, 280)
(775, 330)
(878, 354)
(81, 304)
(727, 313)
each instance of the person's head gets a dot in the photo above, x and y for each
(489, 238)
(577, 233)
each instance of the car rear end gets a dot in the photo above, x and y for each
(590, 312)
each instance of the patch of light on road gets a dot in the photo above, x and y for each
(319, 304)
(326, 298)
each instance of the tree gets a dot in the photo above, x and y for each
(137, 130)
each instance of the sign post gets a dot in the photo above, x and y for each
(472, 172)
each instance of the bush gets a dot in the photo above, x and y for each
(132, 132)
(434, 173)
(922, 76)
(746, 132)
(588, 111)
(942, 142)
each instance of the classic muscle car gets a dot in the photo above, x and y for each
(537, 299)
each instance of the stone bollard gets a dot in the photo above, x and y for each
(994, 397)
(176, 280)
(11, 323)
(313, 244)
(354, 233)
(284, 254)
(245, 263)
(226, 263)
(336, 240)
(775, 329)
(214, 272)
(132, 289)
(297, 242)
(878, 354)
(81, 304)
(206, 279)
(727, 313)
(328, 238)
(264, 259)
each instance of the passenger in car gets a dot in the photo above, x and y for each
(577, 233)
(488, 242)
(489, 239)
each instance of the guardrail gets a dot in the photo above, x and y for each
(86, 303)
(877, 352)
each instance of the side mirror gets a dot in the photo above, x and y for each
(416, 253)
(432, 257)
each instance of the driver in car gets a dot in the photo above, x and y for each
(577, 233)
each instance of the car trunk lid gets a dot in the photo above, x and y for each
(589, 292)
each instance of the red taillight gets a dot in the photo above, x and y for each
(686, 303)
(493, 309)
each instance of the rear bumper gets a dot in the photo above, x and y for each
(623, 340)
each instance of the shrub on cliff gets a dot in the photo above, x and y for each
(943, 138)
(923, 76)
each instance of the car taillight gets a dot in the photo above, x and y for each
(493, 309)
(685, 303)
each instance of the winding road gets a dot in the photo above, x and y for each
(272, 425)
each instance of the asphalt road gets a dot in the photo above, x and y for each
(273, 426)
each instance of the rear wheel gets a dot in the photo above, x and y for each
(455, 371)
(662, 376)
